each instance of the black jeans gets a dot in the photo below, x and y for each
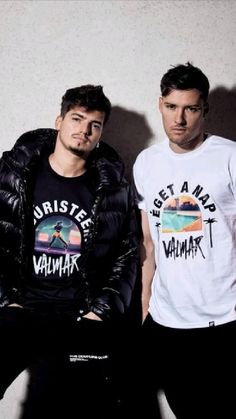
(196, 368)
(70, 362)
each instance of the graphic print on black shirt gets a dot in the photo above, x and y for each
(62, 209)
(58, 244)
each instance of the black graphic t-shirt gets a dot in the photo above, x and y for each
(62, 210)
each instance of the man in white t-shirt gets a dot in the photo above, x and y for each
(186, 187)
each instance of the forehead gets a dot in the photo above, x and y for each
(189, 97)
(89, 115)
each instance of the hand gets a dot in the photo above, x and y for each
(92, 316)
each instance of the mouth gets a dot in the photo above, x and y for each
(79, 139)
(179, 129)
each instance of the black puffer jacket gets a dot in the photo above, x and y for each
(108, 265)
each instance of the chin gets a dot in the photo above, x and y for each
(178, 141)
(78, 152)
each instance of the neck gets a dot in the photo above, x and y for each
(67, 167)
(188, 146)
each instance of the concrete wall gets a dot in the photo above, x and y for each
(49, 46)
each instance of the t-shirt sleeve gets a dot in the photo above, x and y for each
(138, 171)
(232, 169)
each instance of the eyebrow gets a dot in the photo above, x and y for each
(83, 117)
(185, 106)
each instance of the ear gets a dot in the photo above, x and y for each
(160, 103)
(58, 122)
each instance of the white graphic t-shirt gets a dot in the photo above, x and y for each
(190, 202)
(62, 209)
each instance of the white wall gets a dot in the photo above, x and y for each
(49, 46)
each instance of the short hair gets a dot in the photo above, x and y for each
(88, 96)
(185, 77)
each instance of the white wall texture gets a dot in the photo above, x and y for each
(47, 46)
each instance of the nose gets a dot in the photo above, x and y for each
(85, 128)
(180, 117)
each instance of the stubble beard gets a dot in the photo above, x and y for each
(79, 153)
(75, 150)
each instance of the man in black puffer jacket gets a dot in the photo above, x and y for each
(68, 240)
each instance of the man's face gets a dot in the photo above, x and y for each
(80, 130)
(183, 116)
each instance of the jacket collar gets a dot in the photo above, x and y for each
(33, 144)
(108, 165)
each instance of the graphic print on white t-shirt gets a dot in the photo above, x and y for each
(180, 221)
(60, 230)
(181, 214)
